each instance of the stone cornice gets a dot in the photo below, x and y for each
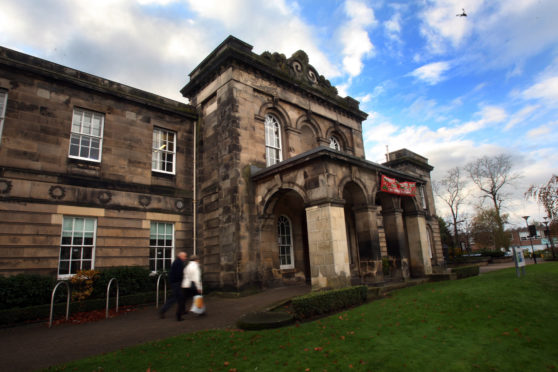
(332, 155)
(294, 72)
(53, 71)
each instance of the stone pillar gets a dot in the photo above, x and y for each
(367, 232)
(369, 243)
(419, 254)
(327, 242)
(396, 240)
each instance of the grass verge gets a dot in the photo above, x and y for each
(494, 322)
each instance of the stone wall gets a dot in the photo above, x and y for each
(121, 191)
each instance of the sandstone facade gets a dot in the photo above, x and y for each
(269, 180)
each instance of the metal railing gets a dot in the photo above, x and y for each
(52, 301)
(117, 295)
(165, 289)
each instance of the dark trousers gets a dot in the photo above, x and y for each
(177, 297)
(189, 293)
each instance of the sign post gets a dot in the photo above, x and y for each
(519, 261)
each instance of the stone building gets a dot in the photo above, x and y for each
(263, 174)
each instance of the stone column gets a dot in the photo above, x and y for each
(395, 237)
(419, 255)
(367, 232)
(327, 242)
(369, 243)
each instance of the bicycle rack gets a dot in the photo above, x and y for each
(117, 295)
(52, 301)
(165, 290)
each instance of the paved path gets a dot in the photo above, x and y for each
(494, 267)
(35, 346)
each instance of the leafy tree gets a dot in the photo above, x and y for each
(445, 234)
(450, 190)
(547, 196)
(485, 229)
(491, 175)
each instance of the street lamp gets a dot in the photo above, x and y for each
(549, 237)
(530, 238)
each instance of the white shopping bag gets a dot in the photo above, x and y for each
(198, 305)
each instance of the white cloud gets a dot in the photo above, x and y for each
(496, 33)
(431, 73)
(546, 89)
(520, 116)
(354, 37)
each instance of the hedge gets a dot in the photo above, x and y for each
(26, 290)
(264, 320)
(318, 303)
(35, 313)
(466, 271)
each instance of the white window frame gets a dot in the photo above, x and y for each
(155, 247)
(273, 146)
(160, 150)
(423, 197)
(281, 243)
(3, 104)
(334, 143)
(86, 134)
(74, 246)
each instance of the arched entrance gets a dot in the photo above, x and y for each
(284, 239)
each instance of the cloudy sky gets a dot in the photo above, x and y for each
(450, 88)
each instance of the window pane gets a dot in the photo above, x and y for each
(87, 253)
(86, 265)
(86, 125)
(152, 253)
(152, 265)
(64, 268)
(89, 225)
(68, 224)
(65, 253)
(96, 126)
(78, 224)
(74, 267)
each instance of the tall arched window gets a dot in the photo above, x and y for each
(285, 241)
(273, 153)
(334, 143)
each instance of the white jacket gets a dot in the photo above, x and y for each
(192, 273)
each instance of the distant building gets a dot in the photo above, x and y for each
(263, 174)
(520, 238)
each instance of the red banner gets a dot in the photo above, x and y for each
(392, 186)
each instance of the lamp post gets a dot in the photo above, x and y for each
(549, 237)
(530, 238)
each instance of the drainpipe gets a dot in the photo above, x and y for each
(194, 181)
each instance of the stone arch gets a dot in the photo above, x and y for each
(346, 180)
(269, 199)
(277, 110)
(288, 201)
(311, 122)
(334, 131)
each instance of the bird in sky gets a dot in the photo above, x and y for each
(462, 14)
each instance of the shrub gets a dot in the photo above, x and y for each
(488, 253)
(38, 312)
(131, 279)
(82, 284)
(466, 271)
(318, 303)
(26, 290)
(264, 320)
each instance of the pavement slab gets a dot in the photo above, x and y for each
(35, 346)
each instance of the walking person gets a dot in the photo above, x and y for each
(175, 278)
(191, 283)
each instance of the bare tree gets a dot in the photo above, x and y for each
(547, 196)
(450, 190)
(491, 175)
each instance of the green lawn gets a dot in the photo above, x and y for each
(495, 322)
